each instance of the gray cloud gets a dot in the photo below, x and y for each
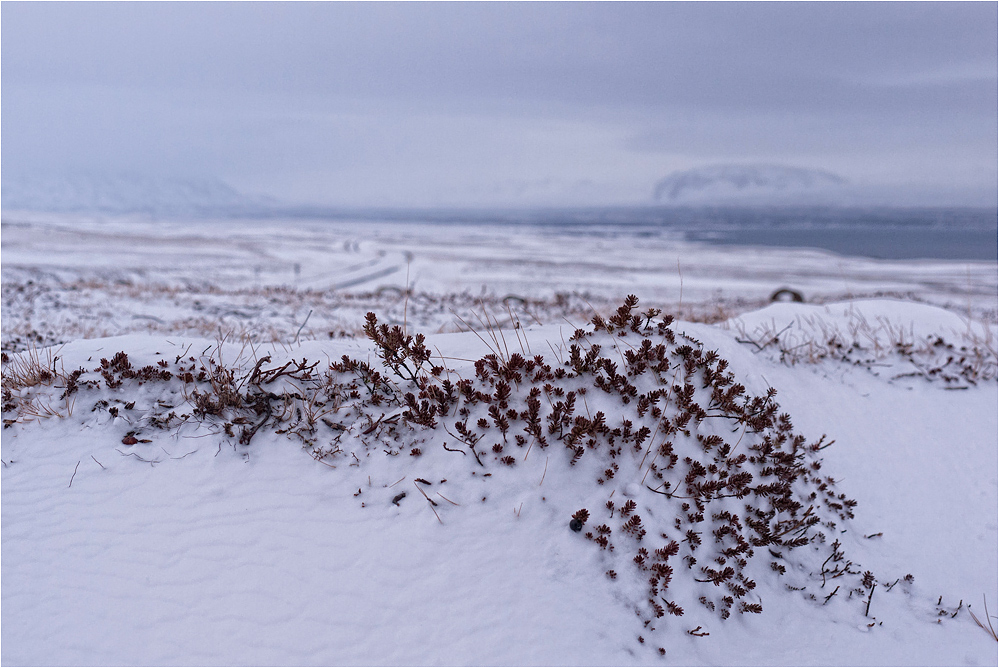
(440, 103)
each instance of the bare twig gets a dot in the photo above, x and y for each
(454, 449)
(74, 474)
(990, 630)
(256, 369)
(247, 434)
(529, 447)
(417, 485)
(774, 339)
(405, 306)
(796, 524)
(151, 462)
(98, 463)
(432, 503)
(680, 304)
(472, 329)
(303, 325)
(447, 499)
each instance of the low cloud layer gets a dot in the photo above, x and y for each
(503, 104)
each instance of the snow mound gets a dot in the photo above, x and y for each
(893, 339)
(631, 490)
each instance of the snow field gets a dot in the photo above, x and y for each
(223, 553)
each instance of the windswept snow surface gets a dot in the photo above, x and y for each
(67, 278)
(195, 549)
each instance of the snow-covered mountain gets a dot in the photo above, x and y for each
(749, 184)
(125, 194)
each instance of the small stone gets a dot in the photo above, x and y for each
(575, 525)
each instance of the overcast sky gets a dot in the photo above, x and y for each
(503, 104)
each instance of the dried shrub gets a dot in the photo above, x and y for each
(724, 481)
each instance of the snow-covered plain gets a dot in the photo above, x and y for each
(101, 277)
(128, 543)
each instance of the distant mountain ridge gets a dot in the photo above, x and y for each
(747, 184)
(740, 186)
(125, 194)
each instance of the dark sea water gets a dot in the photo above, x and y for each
(885, 233)
(889, 244)
(949, 234)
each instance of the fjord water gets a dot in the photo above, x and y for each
(889, 233)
